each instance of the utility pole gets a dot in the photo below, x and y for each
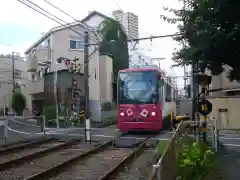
(193, 91)
(194, 96)
(86, 88)
(55, 75)
(86, 73)
(13, 75)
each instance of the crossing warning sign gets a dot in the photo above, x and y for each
(205, 107)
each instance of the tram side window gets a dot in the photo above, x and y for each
(173, 95)
(160, 91)
(168, 92)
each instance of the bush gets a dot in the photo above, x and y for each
(106, 106)
(162, 146)
(49, 112)
(18, 102)
(195, 159)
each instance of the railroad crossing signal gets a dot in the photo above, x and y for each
(74, 66)
(205, 107)
(74, 84)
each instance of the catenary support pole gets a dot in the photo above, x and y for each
(13, 75)
(86, 77)
(55, 93)
(194, 96)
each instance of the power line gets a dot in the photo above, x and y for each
(65, 25)
(154, 37)
(64, 12)
(48, 2)
(5, 44)
(49, 17)
(34, 4)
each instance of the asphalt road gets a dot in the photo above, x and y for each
(29, 128)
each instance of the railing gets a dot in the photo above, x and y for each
(21, 125)
(165, 169)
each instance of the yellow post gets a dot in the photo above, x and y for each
(173, 121)
(204, 124)
(171, 116)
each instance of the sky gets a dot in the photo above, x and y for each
(20, 29)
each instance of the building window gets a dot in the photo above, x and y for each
(34, 77)
(40, 74)
(76, 44)
(46, 70)
(45, 44)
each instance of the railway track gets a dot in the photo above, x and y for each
(54, 160)
(25, 163)
(24, 145)
(102, 162)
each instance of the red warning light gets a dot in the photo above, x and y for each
(67, 62)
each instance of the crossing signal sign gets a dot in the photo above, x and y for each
(205, 107)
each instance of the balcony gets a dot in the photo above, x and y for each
(41, 56)
(35, 87)
(44, 55)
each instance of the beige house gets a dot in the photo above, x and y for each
(67, 41)
(6, 78)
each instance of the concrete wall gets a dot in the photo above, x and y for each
(231, 104)
(105, 78)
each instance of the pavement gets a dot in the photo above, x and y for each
(230, 162)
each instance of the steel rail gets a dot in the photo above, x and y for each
(113, 171)
(61, 167)
(20, 160)
(25, 145)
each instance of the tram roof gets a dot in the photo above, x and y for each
(147, 68)
(143, 68)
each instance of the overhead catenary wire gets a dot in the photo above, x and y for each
(67, 25)
(6, 44)
(74, 29)
(83, 24)
(64, 12)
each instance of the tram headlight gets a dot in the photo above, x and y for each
(121, 114)
(153, 113)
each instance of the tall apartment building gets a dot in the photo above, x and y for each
(129, 22)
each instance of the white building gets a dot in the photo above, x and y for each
(129, 22)
(138, 58)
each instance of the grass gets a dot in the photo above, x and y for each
(111, 119)
(162, 145)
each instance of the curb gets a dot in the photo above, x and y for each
(105, 124)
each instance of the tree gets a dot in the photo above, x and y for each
(18, 102)
(211, 31)
(114, 44)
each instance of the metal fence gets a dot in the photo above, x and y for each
(165, 169)
(15, 128)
